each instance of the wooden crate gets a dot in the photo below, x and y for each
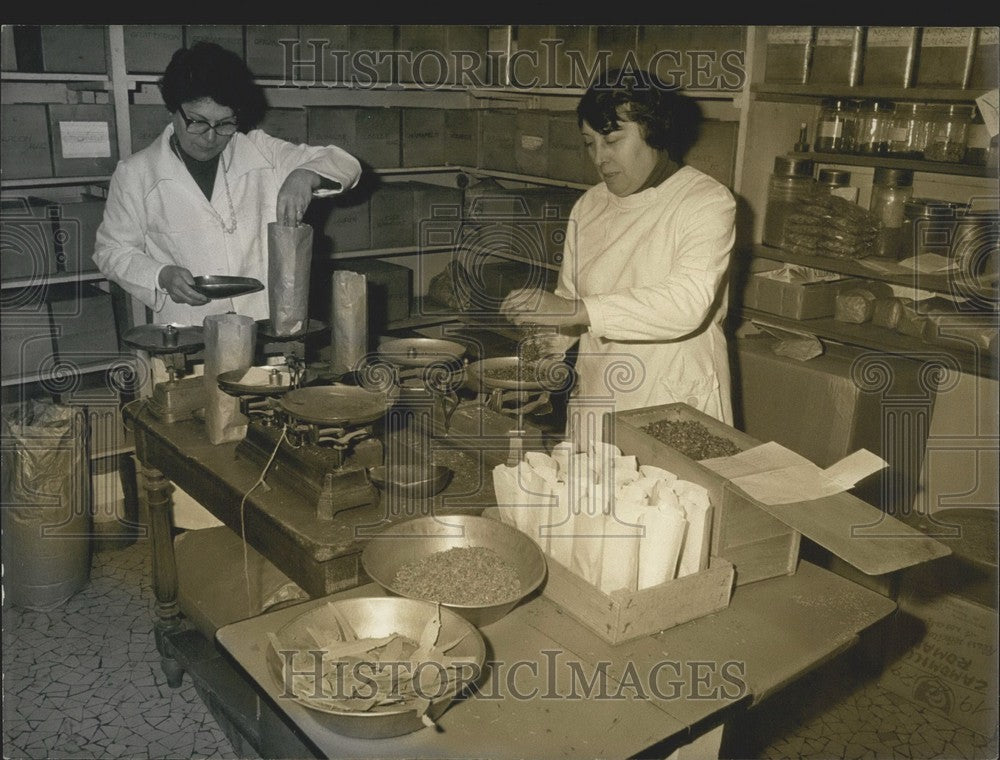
(624, 615)
(758, 544)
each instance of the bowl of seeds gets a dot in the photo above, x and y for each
(477, 567)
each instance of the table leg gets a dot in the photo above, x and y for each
(167, 619)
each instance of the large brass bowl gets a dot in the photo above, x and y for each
(376, 617)
(411, 540)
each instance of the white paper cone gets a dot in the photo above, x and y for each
(349, 320)
(560, 533)
(656, 473)
(694, 553)
(505, 489)
(620, 562)
(588, 544)
(534, 510)
(625, 471)
(229, 345)
(660, 547)
(561, 453)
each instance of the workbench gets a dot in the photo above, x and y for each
(773, 632)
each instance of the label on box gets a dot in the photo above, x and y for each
(85, 139)
(946, 36)
(889, 36)
(788, 35)
(834, 35)
(532, 142)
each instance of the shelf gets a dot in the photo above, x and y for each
(481, 172)
(374, 253)
(55, 279)
(877, 338)
(577, 92)
(813, 93)
(85, 369)
(31, 76)
(937, 283)
(916, 165)
(52, 181)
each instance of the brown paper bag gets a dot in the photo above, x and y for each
(229, 345)
(289, 257)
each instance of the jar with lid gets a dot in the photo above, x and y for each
(791, 180)
(910, 129)
(891, 189)
(836, 125)
(950, 133)
(874, 120)
(929, 226)
(837, 182)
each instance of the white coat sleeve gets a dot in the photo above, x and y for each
(329, 161)
(678, 302)
(120, 247)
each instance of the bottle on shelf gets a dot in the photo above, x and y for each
(910, 130)
(835, 128)
(791, 180)
(837, 182)
(891, 189)
(950, 132)
(874, 119)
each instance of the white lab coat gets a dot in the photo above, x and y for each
(156, 215)
(650, 268)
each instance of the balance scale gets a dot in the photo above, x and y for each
(178, 397)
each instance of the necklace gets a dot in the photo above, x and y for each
(193, 167)
(229, 230)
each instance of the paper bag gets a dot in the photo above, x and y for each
(349, 320)
(229, 345)
(289, 257)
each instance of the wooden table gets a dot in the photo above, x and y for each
(773, 632)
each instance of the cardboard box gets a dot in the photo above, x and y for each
(324, 50)
(552, 55)
(986, 59)
(787, 54)
(836, 57)
(709, 56)
(228, 36)
(266, 49)
(760, 540)
(468, 63)
(61, 48)
(436, 209)
(490, 281)
(390, 289)
(345, 224)
(461, 139)
(25, 350)
(77, 233)
(25, 151)
(392, 216)
(367, 44)
(372, 135)
(85, 326)
(714, 152)
(149, 47)
(425, 59)
(8, 51)
(146, 123)
(620, 41)
(890, 55)
(568, 158)
(531, 143)
(945, 56)
(286, 124)
(29, 233)
(84, 140)
(498, 129)
(423, 137)
(789, 299)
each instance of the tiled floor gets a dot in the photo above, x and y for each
(84, 681)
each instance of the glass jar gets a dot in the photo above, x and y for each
(977, 149)
(910, 129)
(950, 133)
(837, 182)
(791, 180)
(836, 125)
(874, 120)
(891, 189)
(929, 226)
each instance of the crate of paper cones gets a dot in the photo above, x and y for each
(627, 543)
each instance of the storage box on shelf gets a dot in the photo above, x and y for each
(228, 36)
(149, 47)
(84, 141)
(61, 48)
(266, 46)
(25, 150)
(286, 124)
(760, 540)
(370, 134)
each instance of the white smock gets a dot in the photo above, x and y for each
(156, 215)
(651, 269)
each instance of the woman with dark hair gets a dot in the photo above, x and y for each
(642, 281)
(198, 200)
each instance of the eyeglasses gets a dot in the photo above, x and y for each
(199, 127)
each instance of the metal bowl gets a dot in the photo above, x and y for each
(224, 286)
(420, 352)
(411, 540)
(479, 380)
(411, 481)
(376, 617)
(265, 380)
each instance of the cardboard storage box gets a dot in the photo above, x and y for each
(149, 47)
(710, 57)
(343, 223)
(390, 288)
(84, 140)
(531, 143)
(890, 55)
(762, 541)
(498, 128)
(461, 139)
(568, 158)
(372, 135)
(78, 223)
(286, 124)
(146, 123)
(25, 349)
(945, 57)
(836, 55)
(436, 55)
(714, 152)
(61, 48)
(986, 59)
(228, 36)
(808, 300)
(85, 326)
(562, 61)
(266, 49)
(392, 216)
(25, 151)
(787, 54)
(423, 137)
(621, 41)
(29, 240)
(467, 59)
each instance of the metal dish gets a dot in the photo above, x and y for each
(401, 543)
(165, 339)
(266, 330)
(256, 381)
(376, 617)
(411, 481)
(419, 352)
(335, 404)
(479, 380)
(223, 286)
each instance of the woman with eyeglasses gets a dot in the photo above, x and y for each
(198, 200)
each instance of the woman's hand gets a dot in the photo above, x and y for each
(295, 196)
(179, 284)
(532, 306)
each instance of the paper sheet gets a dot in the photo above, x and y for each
(772, 474)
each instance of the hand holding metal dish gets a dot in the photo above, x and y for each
(224, 286)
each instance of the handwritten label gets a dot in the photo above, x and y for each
(85, 139)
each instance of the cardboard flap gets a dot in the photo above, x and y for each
(858, 533)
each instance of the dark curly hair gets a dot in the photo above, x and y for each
(206, 70)
(669, 120)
